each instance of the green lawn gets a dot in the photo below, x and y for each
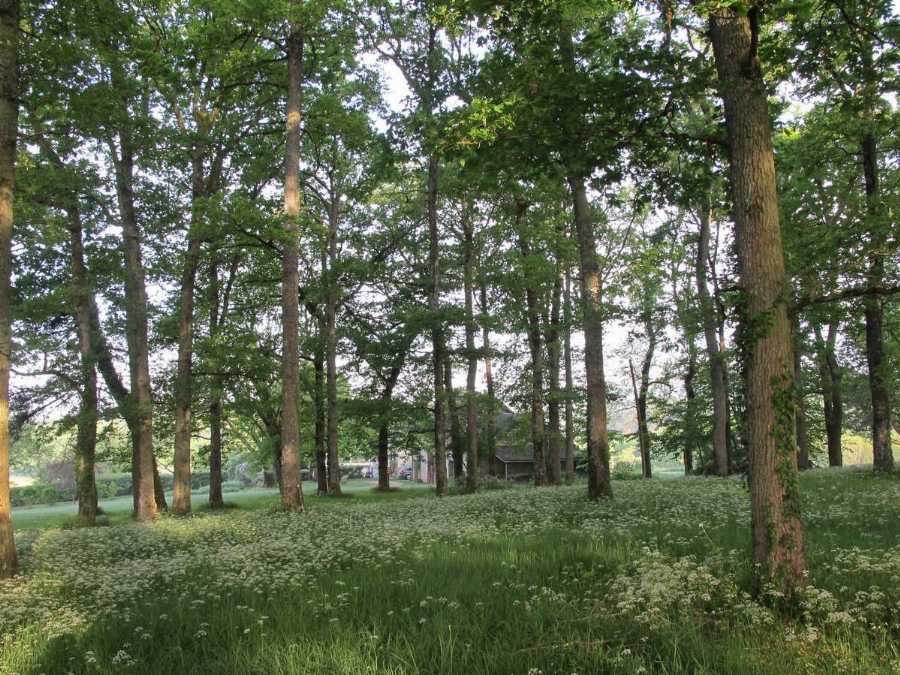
(118, 509)
(522, 580)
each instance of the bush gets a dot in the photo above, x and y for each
(626, 471)
(29, 495)
(232, 486)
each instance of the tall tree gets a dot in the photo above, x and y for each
(778, 541)
(9, 116)
(291, 489)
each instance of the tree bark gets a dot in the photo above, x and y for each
(800, 419)
(471, 353)
(384, 427)
(181, 490)
(599, 485)
(437, 333)
(291, 489)
(716, 357)
(533, 324)
(320, 423)
(830, 376)
(882, 452)
(136, 326)
(778, 539)
(331, 301)
(87, 415)
(570, 387)
(456, 440)
(487, 356)
(690, 414)
(9, 116)
(554, 436)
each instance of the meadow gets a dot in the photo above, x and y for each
(521, 580)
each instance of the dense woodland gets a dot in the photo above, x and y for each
(340, 227)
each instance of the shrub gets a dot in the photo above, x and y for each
(626, 471)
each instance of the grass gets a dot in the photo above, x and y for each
(118, 509)
(511, 581)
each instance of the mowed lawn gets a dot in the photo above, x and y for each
(522, 580)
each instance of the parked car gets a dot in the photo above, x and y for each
(405, 473)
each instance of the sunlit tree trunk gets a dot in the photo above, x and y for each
(9, 116)
(291, 489)
(778, 540)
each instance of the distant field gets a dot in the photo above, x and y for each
(119, 508)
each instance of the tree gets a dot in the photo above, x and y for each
(9, 115)
(778, 547)
(291, 490)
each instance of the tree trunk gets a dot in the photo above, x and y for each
(882, 453)
(142, 472)
(456, 440)
(778, 548)
(716, 357)
(331, 300)
(801, 424)
(9, 115)
(554, 436)
(320, 424)
(217, 316)
(491, 421)
(471, 353)
(533, 323)
(437, 333)
(87, 415)
(830, 376)
(384, 427)
(570, 387)
(599, 485)
(159, 492)
(291, 489)
(181, 490)
(691, 412)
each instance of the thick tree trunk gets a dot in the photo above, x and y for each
(554, 435)
(331, 301)
(87, 415)
(882, 453)
(471, 353)
(142, 472)
(9, 115)
(570, 386)
(715, 355)
(159, 492)
(535, 345)
(830, 376)
(778, 547)
(599, 485)
(291, 489)
(490, 434)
